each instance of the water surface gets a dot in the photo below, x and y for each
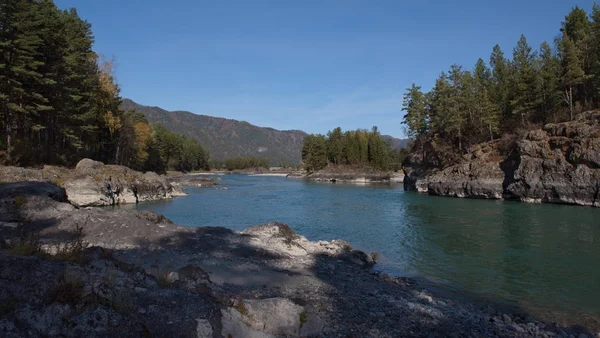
(544, 259)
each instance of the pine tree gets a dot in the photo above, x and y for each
(335, 145)
(572, 74)
(415, 106)
(456, 108)
(499, 91)
(595, 53)
(549, 71)
(20, 60)
(525, 82)
(487, 111)
(578, 29)
(314, 152)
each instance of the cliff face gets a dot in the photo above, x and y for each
(557, 164)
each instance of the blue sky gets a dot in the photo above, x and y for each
(308, 65)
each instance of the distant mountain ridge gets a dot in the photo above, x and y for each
(227, 138)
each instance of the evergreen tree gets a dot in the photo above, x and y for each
(335, 145)
(487, 111)
(415, 106)
(499, 91)
(20, 61)
(595, 53)
(572, 74)
(578, 29)
(525, 82)
(549, 82)
(314, 152)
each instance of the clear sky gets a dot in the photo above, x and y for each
(309, 65)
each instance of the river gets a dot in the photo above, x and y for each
(544, 259)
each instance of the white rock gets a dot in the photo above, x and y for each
(204, 329)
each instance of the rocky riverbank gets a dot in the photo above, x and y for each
(353, 175)
(68, 271)
(557, 164)
(92, 183)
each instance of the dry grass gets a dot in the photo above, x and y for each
(20, 201)
(27, 244)
(241, 307)
(73, 250)
(303, 318)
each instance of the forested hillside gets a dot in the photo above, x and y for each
(552, 83)
(226, 138)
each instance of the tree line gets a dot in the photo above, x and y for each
(550, 84)
(241, 163)
(147, 147)
(351, 148)
(59, 101)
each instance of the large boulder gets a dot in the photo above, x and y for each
(269, 318)
(93, 183)
(96, 184)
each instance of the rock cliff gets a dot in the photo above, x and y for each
(557, 164)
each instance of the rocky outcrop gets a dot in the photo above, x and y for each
(191, 180)
(478, 177)
(557, 164)
(352, 175)
(145, 276)
(93, 183)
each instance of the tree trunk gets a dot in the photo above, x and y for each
(571, 102)
(491, 133)
(8, 138)
(459, 140)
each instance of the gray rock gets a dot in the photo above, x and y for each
(274, 316)
(92, 183)
(204, 329)
(559, 164)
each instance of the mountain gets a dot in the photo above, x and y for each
(226, 138)
(396, 143)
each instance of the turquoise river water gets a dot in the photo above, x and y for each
(544, 259)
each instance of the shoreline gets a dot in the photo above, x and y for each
(333, 281)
